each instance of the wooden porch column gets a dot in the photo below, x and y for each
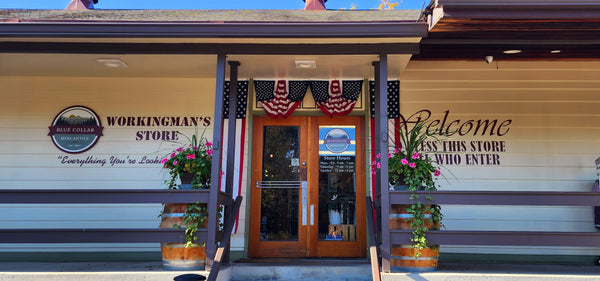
(211, 240)
(381, 148)
(231, 128)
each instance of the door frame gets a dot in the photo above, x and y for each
(322, 248)
(308, 244)
(257, 248)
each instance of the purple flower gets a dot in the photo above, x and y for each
(412, 165)
(404, 161)
(415, 155)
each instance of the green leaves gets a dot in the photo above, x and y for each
(407, 167)
(194, 158)
(193, 217)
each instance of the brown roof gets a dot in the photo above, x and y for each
(293, 16)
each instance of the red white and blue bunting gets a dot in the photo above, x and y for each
(331, 97)
(339, 101)
(275, 99)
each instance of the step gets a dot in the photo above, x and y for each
(94, 271)
(292, 269)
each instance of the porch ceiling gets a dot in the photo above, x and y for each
(184, 43)
(194, 65)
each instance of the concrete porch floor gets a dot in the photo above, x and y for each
(288, 270)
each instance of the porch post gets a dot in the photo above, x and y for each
(231, 128)
(381, 148)
(211, 240)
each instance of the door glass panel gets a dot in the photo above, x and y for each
(280, 206)
(337, 185)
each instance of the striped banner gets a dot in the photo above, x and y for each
(394, 122)
(240, 139)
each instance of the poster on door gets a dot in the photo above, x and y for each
(337, 190)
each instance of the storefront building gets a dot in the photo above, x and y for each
(516, 85)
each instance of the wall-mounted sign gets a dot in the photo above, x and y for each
(463, 141)
(75, 129)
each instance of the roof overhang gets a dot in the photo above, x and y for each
(212, 38)
(34, 45)
(521, 9)
(213, 30)
(471, 29)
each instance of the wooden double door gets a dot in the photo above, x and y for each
(308, 187)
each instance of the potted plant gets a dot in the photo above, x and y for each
(410, 170)
(191, 164)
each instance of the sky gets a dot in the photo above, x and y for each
(207, 4)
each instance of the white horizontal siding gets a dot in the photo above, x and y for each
(552, 143)
(29, 159)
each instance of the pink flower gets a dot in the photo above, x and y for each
(208, 143)
(437, 173)
(415, 155)
(373, 172)
(378, 155)
(412, 165)
(395, 150)
(209, 152)
(404, 161)
(179, 149)
(175, 162)
(195, 147)
(172, 154)
(164, 161)
(390, 155)
(378, 165)
(190, 156)
(374, 162)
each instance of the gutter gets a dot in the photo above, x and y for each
(520, 9)
(213, 30)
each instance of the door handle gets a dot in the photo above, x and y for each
(304, 201)
(293, 184)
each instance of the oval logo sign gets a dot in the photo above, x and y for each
(75, 129)
(336, 140)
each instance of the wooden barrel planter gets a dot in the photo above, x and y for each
(403, 256)
(175, 255)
